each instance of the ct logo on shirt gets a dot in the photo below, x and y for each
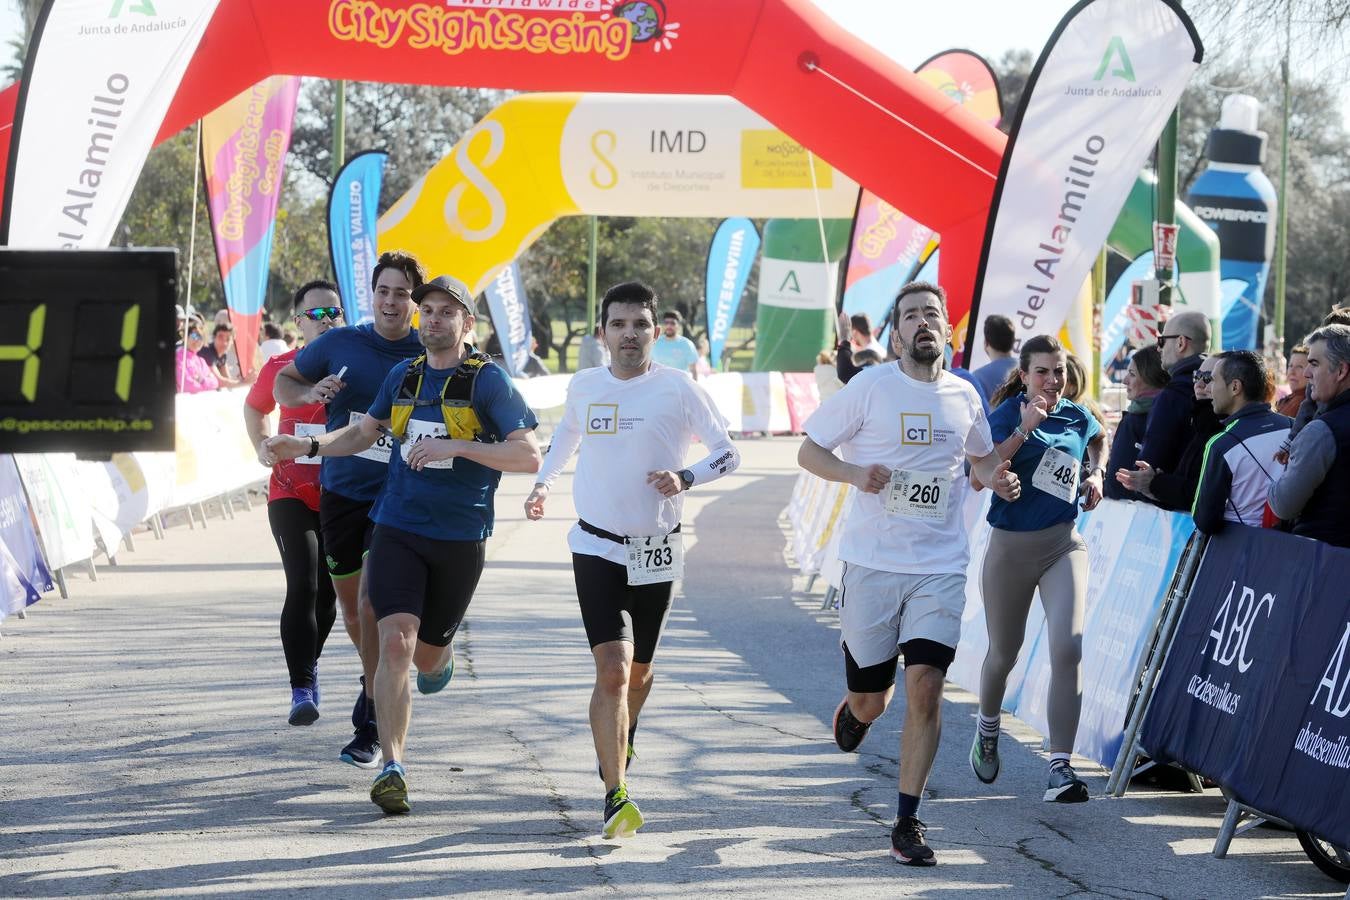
(916, 428)
(602, 418)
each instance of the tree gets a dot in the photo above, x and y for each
(417, 125)
(28, 15)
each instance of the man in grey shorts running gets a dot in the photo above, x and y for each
(905, 428)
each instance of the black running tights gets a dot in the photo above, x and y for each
(311, 604)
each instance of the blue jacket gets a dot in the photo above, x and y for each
(1169, 427)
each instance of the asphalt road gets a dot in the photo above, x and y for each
(146, 750)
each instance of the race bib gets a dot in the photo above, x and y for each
(378, 451)
(918, 495)
(420, 431)
(1057, 475)
(654, 559)
(308, 430)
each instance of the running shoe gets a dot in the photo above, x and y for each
(848, 731)
(908, 846)
(1065, 786)
(431, 682)
(984, 757)
(364, 750)
(628, 766)
(390, 790)
(361, 710)
(304, 708)
(622, 816)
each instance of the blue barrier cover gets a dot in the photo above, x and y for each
(1255, 693)
(23, 572)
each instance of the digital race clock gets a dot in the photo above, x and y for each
(87, 350)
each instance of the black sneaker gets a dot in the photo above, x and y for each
(908, 846)
(361, 711)
(848, 731)
(364, 750)
(1065, 786)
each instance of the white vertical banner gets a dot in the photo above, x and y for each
(99, 77)
(1091, 112)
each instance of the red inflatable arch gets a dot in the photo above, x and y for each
(857, 110)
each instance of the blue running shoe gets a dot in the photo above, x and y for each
(304, 709)
(430, 683)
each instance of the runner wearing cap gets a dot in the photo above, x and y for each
(344, 369)
(293, 509)
(1033, 544)
(456, 423)
(906, 429)
(633, 422)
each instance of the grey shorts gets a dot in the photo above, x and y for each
(879, 611)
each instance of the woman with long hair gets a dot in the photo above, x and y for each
(1144, 380)
(1033, 544)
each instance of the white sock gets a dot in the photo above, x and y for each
(1059, 759)
(989, 725)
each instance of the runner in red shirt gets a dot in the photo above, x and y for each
(293, 508)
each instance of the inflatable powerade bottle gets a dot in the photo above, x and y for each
(1237, 200)
(797, 290)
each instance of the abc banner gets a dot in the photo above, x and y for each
(887, 245)
(99, 77)
(730, 258)
(510, 310)
(351, 232)
(1091, 112)
(244, 145)
(1255, 693)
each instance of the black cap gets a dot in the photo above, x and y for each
(448, 285)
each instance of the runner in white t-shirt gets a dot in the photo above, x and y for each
(633, 422)
(905, 429)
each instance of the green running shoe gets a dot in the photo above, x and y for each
(390, 790)
(984, 757)
(622, 816)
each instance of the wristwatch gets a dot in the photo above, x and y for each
(686, 478)
(313, 447)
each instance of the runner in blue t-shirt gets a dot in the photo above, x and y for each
(344, 370)
(457, 423)
(1033, 545)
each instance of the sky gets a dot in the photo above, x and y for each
(988, 27)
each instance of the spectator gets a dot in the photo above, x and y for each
(272, 342)
(219, 355)
(672, 348)
(855, 334)
(1075, 389)
(291, 335)
(1120, 363)
(1183, 340)
(1175, 489)
(1298, 384)
(1145, 378)
(861, 336)
(703, 368)
(194, 374)
(593, 353)
(1307, 411)
(827, 380)
(999, 338)
(1315, 491)
(1238, 466)
(534, 366)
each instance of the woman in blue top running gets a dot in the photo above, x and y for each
(1033, 545)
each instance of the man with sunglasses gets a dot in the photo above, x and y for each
(309, 609)
(344, 370)
(1183, 342)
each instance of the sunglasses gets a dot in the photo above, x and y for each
(1164, 338)
(1203, 378)
(319, 313)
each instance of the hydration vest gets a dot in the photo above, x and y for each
(456, 400)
